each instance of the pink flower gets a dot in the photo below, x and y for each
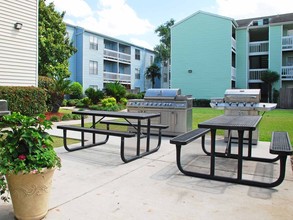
(22, 157)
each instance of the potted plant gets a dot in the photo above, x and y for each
(27, 164)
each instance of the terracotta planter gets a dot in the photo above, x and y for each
(30, 194)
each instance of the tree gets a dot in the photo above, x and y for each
(54, 51)
(163, 50)
(55, 47)
(152, 72)
(269, 78)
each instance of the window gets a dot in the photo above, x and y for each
(152, 59)
(289, 61)
(137, 54)
(93, 67)
(93, 42)
(137, 73)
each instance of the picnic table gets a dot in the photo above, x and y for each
(142, 120)
(280, 145)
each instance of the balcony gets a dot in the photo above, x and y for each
(255, 75)
(118, 56)
(287, 43)
(259, 48)
(287, 73)
(114, 77)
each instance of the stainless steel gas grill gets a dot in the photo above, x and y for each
(4, 108)
(175, 109)
(242, 102)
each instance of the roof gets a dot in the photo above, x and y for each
(274, 19)
(206, 13)
(109, 37)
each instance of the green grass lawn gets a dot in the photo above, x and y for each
(276, 120)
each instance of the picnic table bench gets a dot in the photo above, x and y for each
(109, 132)
(280, 145)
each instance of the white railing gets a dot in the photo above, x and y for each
(255, 74)
(287, 73)
(111, 54)
(233, 73)
(114, 77)
(233, 43)
(259, 47)
(287, 43)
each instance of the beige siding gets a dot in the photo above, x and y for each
(19, 48)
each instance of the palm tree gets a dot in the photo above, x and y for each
(269, 78)
(152, 72)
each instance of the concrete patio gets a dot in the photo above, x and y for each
(95, 184)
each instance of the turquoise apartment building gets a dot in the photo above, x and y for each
(101, 59)
(212, 53)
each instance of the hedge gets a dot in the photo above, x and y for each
(26, 100)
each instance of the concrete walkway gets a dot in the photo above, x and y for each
(95, 184)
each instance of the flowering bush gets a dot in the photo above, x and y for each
(25, 146)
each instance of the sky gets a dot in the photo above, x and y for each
(135, 21)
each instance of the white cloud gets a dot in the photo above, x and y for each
(141, 43)
(111, 17)
(75, 8)
(253, 8)
(116, 18)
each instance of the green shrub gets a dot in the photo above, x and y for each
(95, 107)
(72, 102)
(123, 101)
(47, 83)
(94, 95)
(26, 100)
(76, 117)
(67, 117)
(108, 102)
(75, 90)
(115, 90)
(201, 103)
(64, 103)
(54, 118)
(135, 96)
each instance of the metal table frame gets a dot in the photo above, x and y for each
(240, 124)
(127, 116)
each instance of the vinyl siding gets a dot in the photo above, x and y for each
(19, 48)
(201, 44)
(275, 51)
(242, 59)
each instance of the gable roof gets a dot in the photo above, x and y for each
(273, 19)
(206, 13)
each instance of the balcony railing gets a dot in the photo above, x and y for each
(287, 73)
(255, 74)
(233, 73)
(111, 54)
(259, 47)
(114, 77)
(287, 43)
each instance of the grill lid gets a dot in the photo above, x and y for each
(162, 93)
(242, 95)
